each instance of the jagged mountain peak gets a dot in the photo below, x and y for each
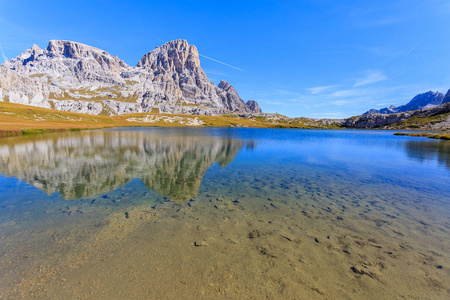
(421, 101)
(69, 64)
(446, 98)
(75, 50)
(176, 55)
(90, 80)
(434, 98)
(226, 86)
(253, 106)
(179, 44)
(36, 48)
(71, 49)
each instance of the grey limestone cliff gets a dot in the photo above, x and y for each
(74, 77)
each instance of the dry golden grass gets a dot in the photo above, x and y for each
(439, 136)
(16, 119)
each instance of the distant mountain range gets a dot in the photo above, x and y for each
(421, 101)
(70, 76)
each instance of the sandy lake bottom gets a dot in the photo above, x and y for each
(224, 214)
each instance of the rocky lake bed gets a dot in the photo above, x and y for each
(223, 213)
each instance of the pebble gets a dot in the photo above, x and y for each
(365, 270)
(254, 234)
(200, 244)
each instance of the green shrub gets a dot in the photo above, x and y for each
(32, 131)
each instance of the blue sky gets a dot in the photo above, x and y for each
(312, 58)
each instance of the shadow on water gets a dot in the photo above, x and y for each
(78, 165)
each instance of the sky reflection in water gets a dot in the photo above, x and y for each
(173, 161)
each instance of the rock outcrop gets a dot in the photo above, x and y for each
(254, 106)
(421, 101)
(25, 90)
(70, 76)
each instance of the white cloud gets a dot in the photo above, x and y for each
(371, 76)
(321, 89)
(346, 93)
(381, 22)
(285, 92)
(340, 102)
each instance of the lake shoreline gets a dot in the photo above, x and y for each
(23, 120)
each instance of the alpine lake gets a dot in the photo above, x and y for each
(224, 213)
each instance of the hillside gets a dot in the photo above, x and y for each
(435, 118)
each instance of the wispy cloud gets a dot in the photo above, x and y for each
(405, 55)
(221, 62)
(380, 51)
(346, 93)
(215, 72)
(371, 76)
(19, 31)
(3, 54)
(285, 92)
(340, 102)
(321, 89)
(381, 22)
(377, 16)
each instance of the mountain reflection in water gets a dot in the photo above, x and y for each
(426, 150)
(89, 163)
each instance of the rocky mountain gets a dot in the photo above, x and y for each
(74, 77)
(24, 90)
(446, 98)
(421, 101)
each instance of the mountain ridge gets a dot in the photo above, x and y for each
(420, 101)
(86, 79)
